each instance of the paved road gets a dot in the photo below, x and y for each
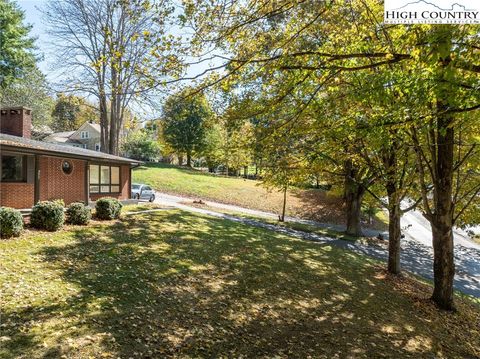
(416, 255)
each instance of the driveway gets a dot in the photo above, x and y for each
(416, 255)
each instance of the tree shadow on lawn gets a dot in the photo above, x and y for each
(177, 284)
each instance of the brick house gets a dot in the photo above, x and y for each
(33, 171)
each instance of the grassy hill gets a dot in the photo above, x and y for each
(311, 204)
(172, 284)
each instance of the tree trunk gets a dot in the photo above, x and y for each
(104, 125)
(282, 217)
(394, 237)
(180, 160)
(353, 196)
(443, 164)
(442, 221)
(394, 210)
(113, 145)
(353, 211)
(189, 159)
(443, 265)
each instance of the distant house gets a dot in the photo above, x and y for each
(33, 171)
(87, 137)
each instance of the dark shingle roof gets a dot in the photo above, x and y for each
(59, 150)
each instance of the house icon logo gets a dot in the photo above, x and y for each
(432, 12)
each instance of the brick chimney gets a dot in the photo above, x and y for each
(16, 121)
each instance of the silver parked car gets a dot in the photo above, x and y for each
(142, 191)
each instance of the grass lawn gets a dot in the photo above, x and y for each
(304, 227)
(176, 284)
(311, 204)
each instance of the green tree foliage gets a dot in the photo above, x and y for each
(70, 112)
(212, 151)
(184, 123)
(347, 78)
(32, 91)
(16, 47)
(141, 145)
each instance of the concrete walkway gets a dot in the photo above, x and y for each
(416, 255)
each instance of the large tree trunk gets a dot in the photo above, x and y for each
(189, 159)
(394, 210)
(443, 264)
(394, 237)
(113, 145)
(104, 125)
(442, 221)
(353, 195)
(443, 162)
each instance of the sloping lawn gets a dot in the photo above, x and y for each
(311, 204)
(175, 284)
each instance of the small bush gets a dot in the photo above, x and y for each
(108, 208)
(11, 222)
(47, 215)
(78, 213)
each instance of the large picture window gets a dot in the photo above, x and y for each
(104, 179)
(14, 168)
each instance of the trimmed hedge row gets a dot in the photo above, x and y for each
(50, 215)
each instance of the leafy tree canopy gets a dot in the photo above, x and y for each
(184, 126)
(16, 47)
(71, 111)
(32, 91)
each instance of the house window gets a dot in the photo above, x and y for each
(104, 179)
(14, 168)
(84, 134)
(97, 146)
(84, 145)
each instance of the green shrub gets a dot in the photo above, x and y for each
(108, 208)
(47, 215)
(78, 213)
(11, 222)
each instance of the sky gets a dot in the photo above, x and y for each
(34, 17)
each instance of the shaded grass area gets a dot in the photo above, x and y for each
(176, 284)
(141, 206)
(298, 226)
(304, 203)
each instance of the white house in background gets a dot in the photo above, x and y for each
(87, 136)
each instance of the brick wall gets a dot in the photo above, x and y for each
(55, 184)
(17, 195)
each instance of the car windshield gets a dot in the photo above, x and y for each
(135, 186)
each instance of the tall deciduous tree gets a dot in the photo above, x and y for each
(116, 51)
(184, 123)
